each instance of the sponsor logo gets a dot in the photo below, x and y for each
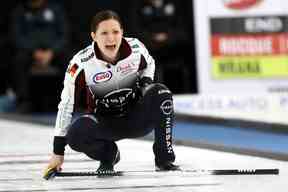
(84, 51)
(240, 4)
(135, 46)
(126, 68)
(102, 77)
(264, 24)
(87, 58)
(167, 107)
(168, 135)
(117, 98)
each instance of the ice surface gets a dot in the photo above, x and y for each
(25, 150)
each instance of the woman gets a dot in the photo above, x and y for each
(112, 79)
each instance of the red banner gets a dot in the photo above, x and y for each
(250, 44)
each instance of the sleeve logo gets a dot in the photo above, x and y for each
(72, 69)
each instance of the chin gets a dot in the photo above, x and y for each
(113, 56)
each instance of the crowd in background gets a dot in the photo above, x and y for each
(40, 37)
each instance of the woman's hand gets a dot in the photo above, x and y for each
(56, 162)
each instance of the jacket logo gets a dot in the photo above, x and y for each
(72, 68)
(240, 4)
(85, 59)
(102, 77)
(126, 68)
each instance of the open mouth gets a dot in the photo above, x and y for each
(110, 47)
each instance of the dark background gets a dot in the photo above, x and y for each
(179, 68)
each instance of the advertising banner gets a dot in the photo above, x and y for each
(242, 61)
(254, 108)
(241, 46)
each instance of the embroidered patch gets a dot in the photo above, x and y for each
(72, 69)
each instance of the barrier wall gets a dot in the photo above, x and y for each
(255, 108)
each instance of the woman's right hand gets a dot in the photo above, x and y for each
(56, 161)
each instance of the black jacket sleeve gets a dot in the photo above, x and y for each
(59, 144)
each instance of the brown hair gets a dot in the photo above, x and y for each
(102, 16)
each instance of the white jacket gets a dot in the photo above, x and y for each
(97, 82)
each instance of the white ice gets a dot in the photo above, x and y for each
(25, 149)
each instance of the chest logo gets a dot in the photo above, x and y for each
(102, 77)
(127, 68)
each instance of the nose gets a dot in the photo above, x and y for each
(110, 37)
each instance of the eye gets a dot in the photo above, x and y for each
(116, 32)
(104, 33)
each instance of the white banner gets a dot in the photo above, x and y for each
(257, 108)
(241, 46)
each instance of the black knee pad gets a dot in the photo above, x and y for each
(160, 95)
(157, 89)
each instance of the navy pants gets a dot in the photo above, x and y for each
(96, 135)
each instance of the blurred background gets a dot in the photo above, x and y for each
(39, 37)
(226, 61)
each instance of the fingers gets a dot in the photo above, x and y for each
(49, 173)
(54, 166)
(51, 170)
(59, 168)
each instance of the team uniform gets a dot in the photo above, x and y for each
(120, 101)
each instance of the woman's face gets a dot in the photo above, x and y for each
(108, 37)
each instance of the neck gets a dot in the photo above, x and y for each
(111, 60)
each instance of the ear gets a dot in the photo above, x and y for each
(93, 35)
(122, 31)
